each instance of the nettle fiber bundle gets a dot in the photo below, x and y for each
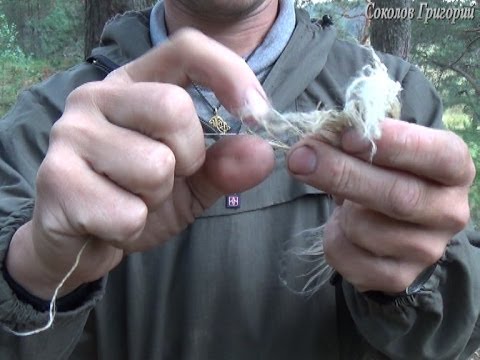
(371, 97)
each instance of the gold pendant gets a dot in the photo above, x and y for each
(218, 123)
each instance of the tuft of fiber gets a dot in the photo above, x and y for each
(304, 269)
(371, 97)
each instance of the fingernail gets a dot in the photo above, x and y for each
(256, 104)
(302, 161)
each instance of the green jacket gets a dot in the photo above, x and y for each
(213, 292)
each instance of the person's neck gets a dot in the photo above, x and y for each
(242, 35)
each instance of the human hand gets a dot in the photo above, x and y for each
(395, 216)
(127, 165)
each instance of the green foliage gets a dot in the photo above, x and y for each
(47, 28)
(449, 54)
(456, 119)
(18, 75)
(13, 61)
(60, 32)
(9, 50)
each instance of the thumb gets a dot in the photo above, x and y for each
(233, 164)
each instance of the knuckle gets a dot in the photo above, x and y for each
(463, 217)
(471, 172)
(458, 216)
(59, 130)
(177, 105)
(93, 98)
(404, 198)
(453, 211)
(120, 75)
(160, 167)
(458, 160)
(124, 227)
(340, 172)
(83, 95)
(429, 252)
(52, 172)
(434, 254)
(72, 127)
(467, 170)
(133, 222)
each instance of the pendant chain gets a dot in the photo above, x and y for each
(205, 100)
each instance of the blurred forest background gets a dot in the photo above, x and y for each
(39, 37)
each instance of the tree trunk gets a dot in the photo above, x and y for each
(391, 35)
(98, 12)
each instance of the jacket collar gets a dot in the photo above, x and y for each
(300, 63)
(126, 37)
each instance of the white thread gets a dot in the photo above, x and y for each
(52, 310)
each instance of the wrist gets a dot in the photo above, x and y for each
(29, 270)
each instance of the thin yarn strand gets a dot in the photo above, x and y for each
(52, 309)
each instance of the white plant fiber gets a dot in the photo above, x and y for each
(371, 97)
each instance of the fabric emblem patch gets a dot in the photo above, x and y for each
(232, 201)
